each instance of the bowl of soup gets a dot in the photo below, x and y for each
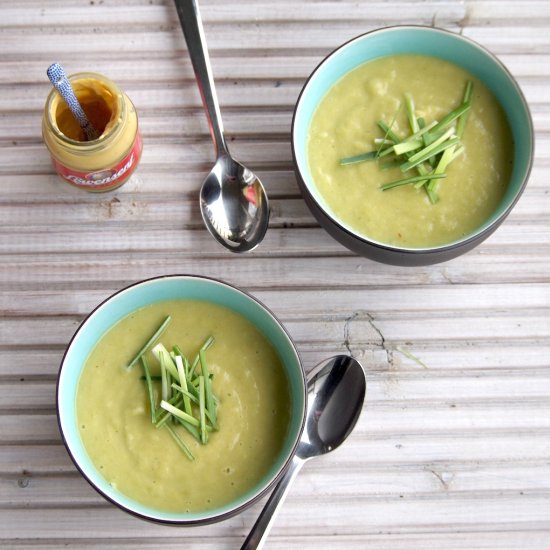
(181, 399)
(411, 144)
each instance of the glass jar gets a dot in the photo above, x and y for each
(106, 162)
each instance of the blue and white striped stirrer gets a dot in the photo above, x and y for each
(61, 83)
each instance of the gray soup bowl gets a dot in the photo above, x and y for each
(426, 41)
(142, 294)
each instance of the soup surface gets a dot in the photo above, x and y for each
(144, 462)
(344, 125)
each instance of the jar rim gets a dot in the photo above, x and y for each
(104, 138)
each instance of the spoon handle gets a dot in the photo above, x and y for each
(261, 528)
(191, 24)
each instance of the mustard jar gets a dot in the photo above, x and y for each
(102, 164)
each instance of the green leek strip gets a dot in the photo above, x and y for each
(407, 146)
(192, 389)
(150, 392)
(438, 149)
(154, 377)
(441, 166)
(210, 405)
(179, 413)
(423, 152)
(177, 351)
(461, 124)
(168, 375)
(389, 132)
(186, 393)
(444, 161)
(382, 141)
(422, 171)
(385, 128)
(386, 152)
(446, 158)
(180, 443)
(409, 104)
(390, 164)
(164, 378)
(191, 429)
(451, 117)
(209, 418)
(457, 152)
(150, 342)
(396, 139)
(432, 195)
(186, 366)
(202, 410)
(421, 122)
(183, 382)
(170, 365)
(421, 132)
(413, 179)
(177, 401)
(209, 341)
(371, 155)
(429, 138)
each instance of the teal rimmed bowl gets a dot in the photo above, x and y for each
(139, 295)
(426, 41)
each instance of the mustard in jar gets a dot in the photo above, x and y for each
(102, 164)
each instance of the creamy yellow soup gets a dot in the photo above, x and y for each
(344, 125)
(144, 462)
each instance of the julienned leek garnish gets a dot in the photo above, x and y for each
(186, 391)
(428, 149)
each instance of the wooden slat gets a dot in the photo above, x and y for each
(439, 451)
(534, 539)
(479, 358)
(155, 16)
(39, 187)
(417, 388)
(413, 516)
(430, 480)
(164, 212)
(186, 156)
(227, 69)
(361, 329)
(177, 95)
(379, 301)
(295, 240)
(220, 36)
(483, 12)
(482, 266)
(382, 420)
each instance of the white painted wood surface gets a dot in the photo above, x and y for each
(455, 454)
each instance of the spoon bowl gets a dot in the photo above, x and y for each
(234, 206)
(336, 391)
(233, 201)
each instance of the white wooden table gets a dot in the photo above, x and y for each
(453, 454)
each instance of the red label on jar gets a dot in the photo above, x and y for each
(103, 180)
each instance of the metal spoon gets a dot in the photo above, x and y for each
(336, 391)
(233, 201)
